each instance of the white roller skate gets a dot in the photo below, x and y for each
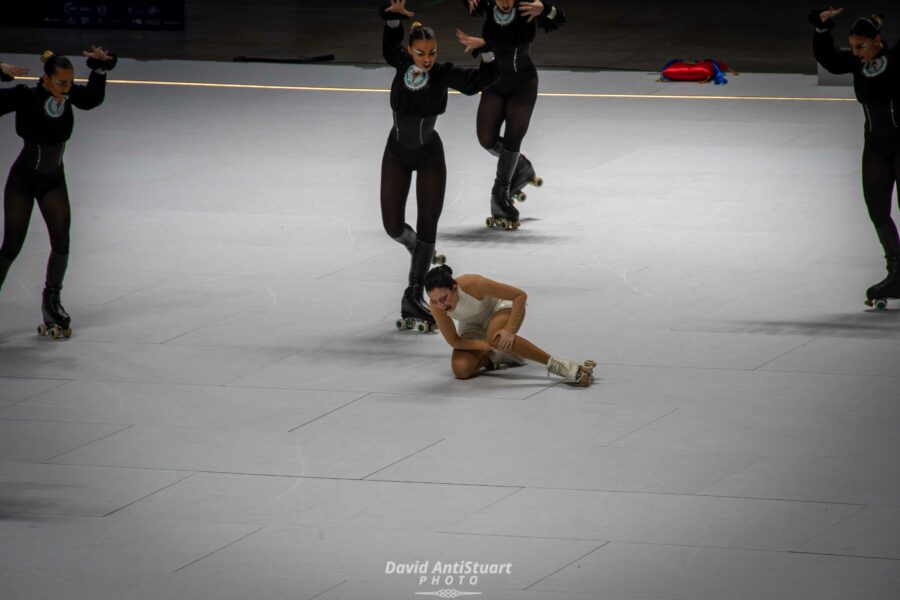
(503, 360)
(571, 371)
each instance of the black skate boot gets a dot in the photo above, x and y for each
(408, 239)
(414, 313)
(5, 263)
(503, 214)
(524, 175)
(889, 287)
(56, 320)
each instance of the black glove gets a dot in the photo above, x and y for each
(390, 16)
(816, 21)
(103, 65)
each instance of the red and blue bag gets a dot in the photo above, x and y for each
(700, 71)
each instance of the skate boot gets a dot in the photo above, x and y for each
(524, 175)
(408, 239)
(56, 320)
(503, 214)
(572, 372)
(5, 263)
(414, 313)
(889, 287)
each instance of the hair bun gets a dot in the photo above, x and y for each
(415, 25)
(447, 268)
(878, 19)
(47, 55)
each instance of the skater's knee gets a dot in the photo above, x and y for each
(488, 141)
(462, 368)
(393, 230)
(60, 245)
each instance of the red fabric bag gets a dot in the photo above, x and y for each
(700, 71)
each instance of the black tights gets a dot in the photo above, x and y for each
(397, 168)
(881, 173)
(18, 201)
(513, 108)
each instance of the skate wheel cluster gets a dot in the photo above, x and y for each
(536, 181)
(878, 303)
(586, 373)
(54, 331)
(519, 197)
(416, 324)
(501, 223)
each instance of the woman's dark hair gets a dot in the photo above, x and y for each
(417, 31)
(52, 62)
(439, 278)
(868, 27)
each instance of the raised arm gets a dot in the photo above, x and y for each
(834, 60)
(89, 96)
(9, 72)
(392, 38)
(548, 14)
(477, 8)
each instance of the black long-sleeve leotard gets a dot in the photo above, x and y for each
(877, 85)
(510, 34)
(44, 128)
(417, 97)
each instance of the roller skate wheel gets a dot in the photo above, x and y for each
(42, 330)
(504, 225)
(55, 332)
(537, 182)
(881, 304)
(439, 259)
(67, 333)
(401, 324)
(520, 197)
(422, 327)
(489, 222)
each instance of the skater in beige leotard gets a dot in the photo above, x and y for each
(490, 315)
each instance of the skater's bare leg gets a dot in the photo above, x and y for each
(467, 363)
(521, 347)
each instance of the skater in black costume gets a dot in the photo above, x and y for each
(418, 96)
(876, 81)
(509, 29)
(44, 121)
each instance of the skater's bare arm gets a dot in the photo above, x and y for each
(488, 287)
(447, 329)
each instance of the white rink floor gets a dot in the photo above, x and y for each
(236, 417)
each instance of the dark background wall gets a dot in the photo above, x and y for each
(759, 36)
